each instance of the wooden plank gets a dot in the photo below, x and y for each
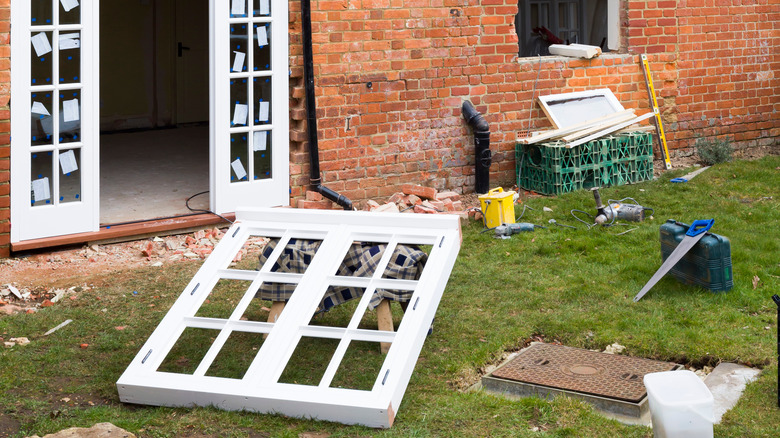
(599, 127)
(384, 321)
(561, 132)
(609, 130)
(110, 232)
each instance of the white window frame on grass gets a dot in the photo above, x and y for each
(259, 390)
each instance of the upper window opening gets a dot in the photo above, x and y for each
(540, 23)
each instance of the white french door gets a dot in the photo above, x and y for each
(54, 118)
(249, 104)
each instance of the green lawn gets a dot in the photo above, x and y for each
(559, 284)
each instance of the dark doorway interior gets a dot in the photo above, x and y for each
(154, 68)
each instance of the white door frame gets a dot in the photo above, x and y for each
(61, 218)
(256, 190)
(57, 217)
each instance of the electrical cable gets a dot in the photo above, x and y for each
(589, 225)
(198, 210)
(523, 213)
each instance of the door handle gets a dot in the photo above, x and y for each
(182, 48)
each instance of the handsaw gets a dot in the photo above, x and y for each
(692, 236)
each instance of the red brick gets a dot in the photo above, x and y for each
(422, 209)
(421, 191)
(453, 196)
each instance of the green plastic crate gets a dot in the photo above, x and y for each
(552, 168)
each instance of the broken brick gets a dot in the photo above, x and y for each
(447, 202)
(371, 205)
(423, 209)
(437, 205)
(397, 197)
(413, 200)
(457, 205)
(390, 207)
(421, 191)
(448, 195)
(148, 250)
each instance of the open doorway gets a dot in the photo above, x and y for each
(154, 108)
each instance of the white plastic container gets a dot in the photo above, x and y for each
(681, 405)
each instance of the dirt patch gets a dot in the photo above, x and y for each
(8, 424)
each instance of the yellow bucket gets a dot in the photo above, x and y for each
(497, 207)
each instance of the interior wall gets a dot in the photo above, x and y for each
(137, 64)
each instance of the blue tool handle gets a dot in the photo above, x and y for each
(678, 180)
(695, 229)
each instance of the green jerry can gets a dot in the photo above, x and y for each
(707, 264)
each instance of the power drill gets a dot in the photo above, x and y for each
(617, 211)
(506, 230)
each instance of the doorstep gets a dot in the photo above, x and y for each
(128, 231)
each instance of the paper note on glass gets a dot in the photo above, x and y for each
(70, 110)
(238, 7)
(68, 162)
(238, 63)
(240, 113)
(238, 168)
(40, 189)
(262, 36)
(265, 7)
(41, 44)
(262, 111)
(69, 4)
(47, 123)
(39, 108)
(260, 141)
(69, 41)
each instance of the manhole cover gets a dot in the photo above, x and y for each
(582, 371)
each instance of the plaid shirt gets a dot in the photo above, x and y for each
(406, 263)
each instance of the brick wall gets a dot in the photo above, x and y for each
(729, 72)
(391, 76)
(5, 128)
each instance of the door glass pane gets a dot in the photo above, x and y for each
(70, 12)
(70, 57)
(70, 116)
(238, 47)
(40, 12)
(262, 93)
(70, 176)
(262, 47)
(41, 191)
(41, 119)
(237, 8)
(239, 102)
(41, 62)
(261, 147)
(262, 8)
(239, 157)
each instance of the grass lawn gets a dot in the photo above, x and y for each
(558, 284)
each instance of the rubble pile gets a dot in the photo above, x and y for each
(423, 200)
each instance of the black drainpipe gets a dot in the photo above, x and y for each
(482, 154)
(311, 113)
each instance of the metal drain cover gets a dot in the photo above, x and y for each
(587, 372)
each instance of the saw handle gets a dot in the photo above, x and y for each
(699, 226)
